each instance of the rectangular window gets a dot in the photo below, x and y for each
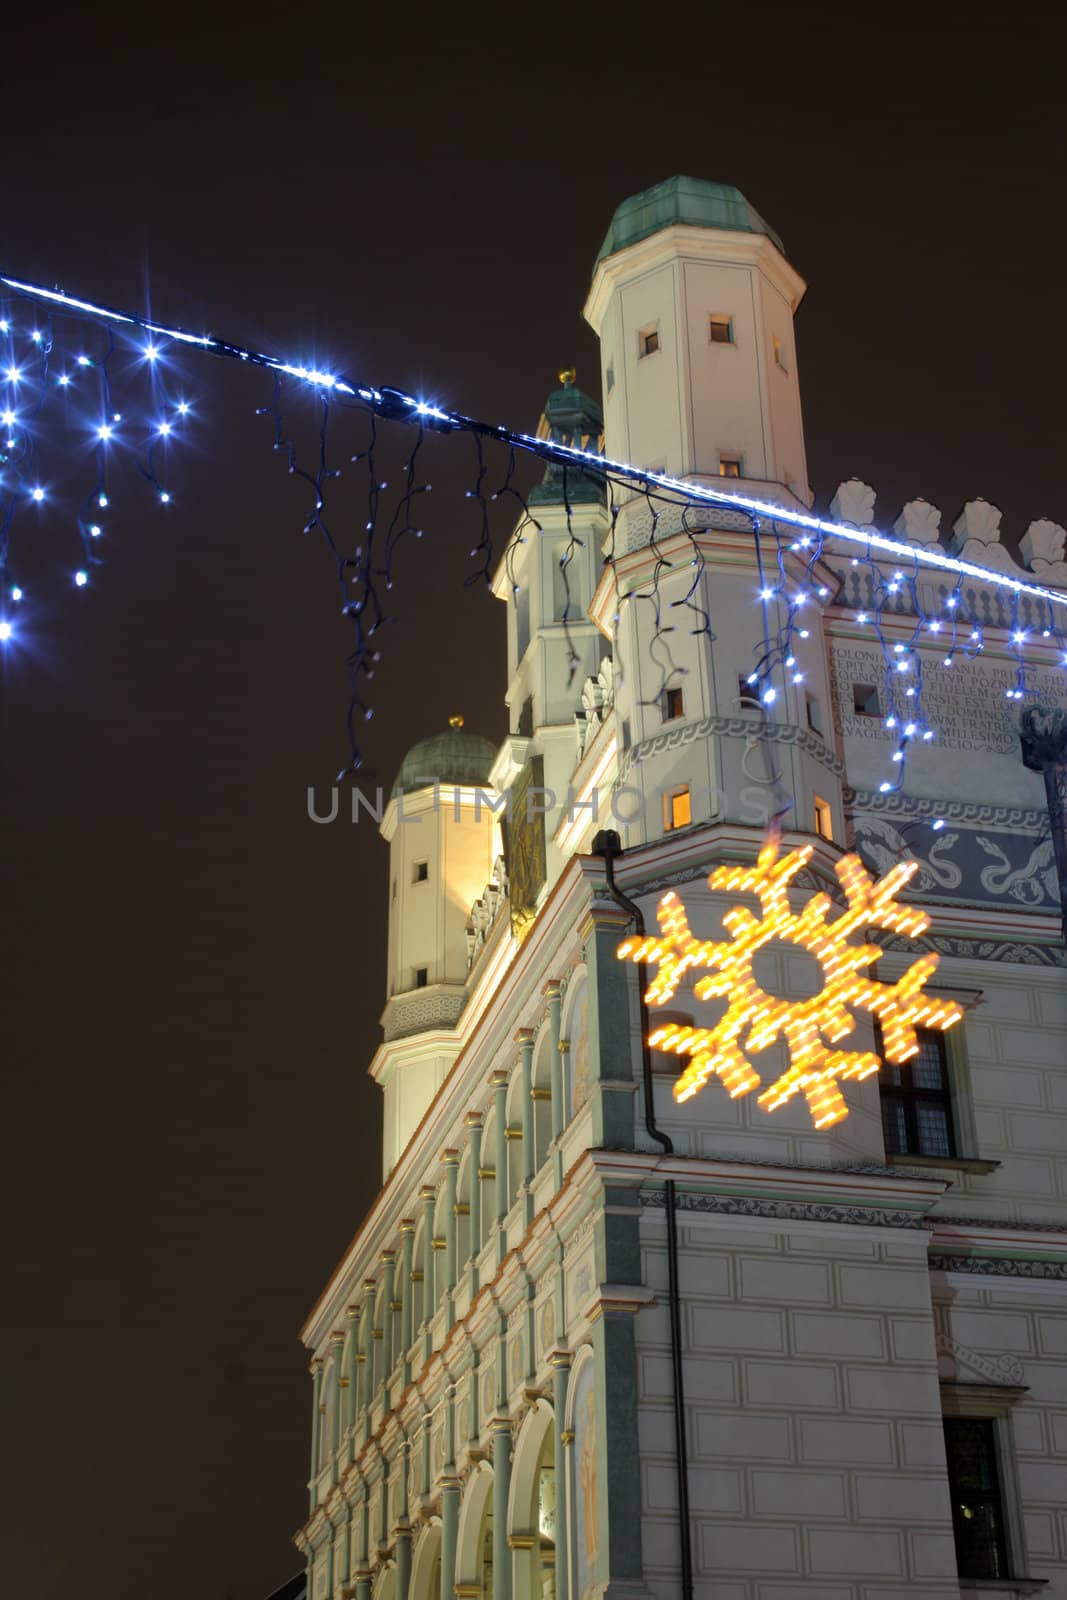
(625, 734)
(746, 693)
(526, 719)
(668, 1062)
(422, 976)
(720, 328)
(648, 341)
(865, 700)
(814, 713)
(677, 808)
(779, 353)
(729, 466)
(824, 819)
(977, 1507)
(672, 704)
(422, 872)
(917, 1100)
(610, 377)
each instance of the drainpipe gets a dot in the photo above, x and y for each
(608, 846)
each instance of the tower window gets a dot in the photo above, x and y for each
(422, 977)
(746, 693)
(814, 713)
(720, 328)
(672, 704)
(648, 341)
(526, 718)
(677, 808)
(729, 466)
(779, 354)
(977, 1507)
(824, 818)
(422, 872)
(865, 700)
(917, 1100)
(609, 377)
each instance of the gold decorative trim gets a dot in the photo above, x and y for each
(487, 1172)
(438, 1242)
(513, 1131)
(563, 1046)
(567, 1436)
(396, 1305)
(416, 1274)
(376, 1333)
(462, 1208)
(523, 1541)
(540, 1094)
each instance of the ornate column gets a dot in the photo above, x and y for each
(552, 992)
(351, 1370)
(450, 1163)
(1043, 735)
(500, 1428)
(388, 1260)
(337, 1341)
(317, 1409)
(362, 1519)
(474, 1123)
(428, 1196)
(499, 1082)
(525, 1040)
(365, 1385)
(560, 1363)
(403, 1527)
(450, 1487)
(407, 1291)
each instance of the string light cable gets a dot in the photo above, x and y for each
(371, 558)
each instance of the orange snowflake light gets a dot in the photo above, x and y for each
(754, 1019)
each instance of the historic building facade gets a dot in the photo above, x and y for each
(590, 1340)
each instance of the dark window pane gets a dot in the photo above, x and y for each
(928, 1067)
(932, 1124)
(977, 1514)
(894, 1127)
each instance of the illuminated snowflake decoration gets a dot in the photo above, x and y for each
(810, 1028)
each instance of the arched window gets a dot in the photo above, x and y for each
(532, 1506)
(440, 1233)
(328, 1414)
(463, 1213)
(474, 1541)
(542, 1097)
(426, 1565)
(488, 1184)
(414, 1287)
(514, 1137)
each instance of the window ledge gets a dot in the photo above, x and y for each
(955, 1163)
(1005, 1586)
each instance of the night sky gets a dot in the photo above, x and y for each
(192, 971)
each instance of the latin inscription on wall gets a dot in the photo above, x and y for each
(966, 704)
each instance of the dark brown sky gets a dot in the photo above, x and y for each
(192, 971)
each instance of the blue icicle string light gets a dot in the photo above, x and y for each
(120, 350)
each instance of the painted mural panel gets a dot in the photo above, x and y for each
(578, 1027)
(586, 1533)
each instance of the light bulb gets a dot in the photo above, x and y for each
(81, 578)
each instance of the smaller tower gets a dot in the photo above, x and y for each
(547, 580)
(443, 840)
(693, 302)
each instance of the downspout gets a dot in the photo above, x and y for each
(608, 845)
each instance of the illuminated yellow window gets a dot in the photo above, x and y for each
(729, 466)
(779, 354)
(677, 808)
(824, 818)
(648, 341)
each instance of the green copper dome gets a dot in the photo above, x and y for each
(454, 756)
(695, 202)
